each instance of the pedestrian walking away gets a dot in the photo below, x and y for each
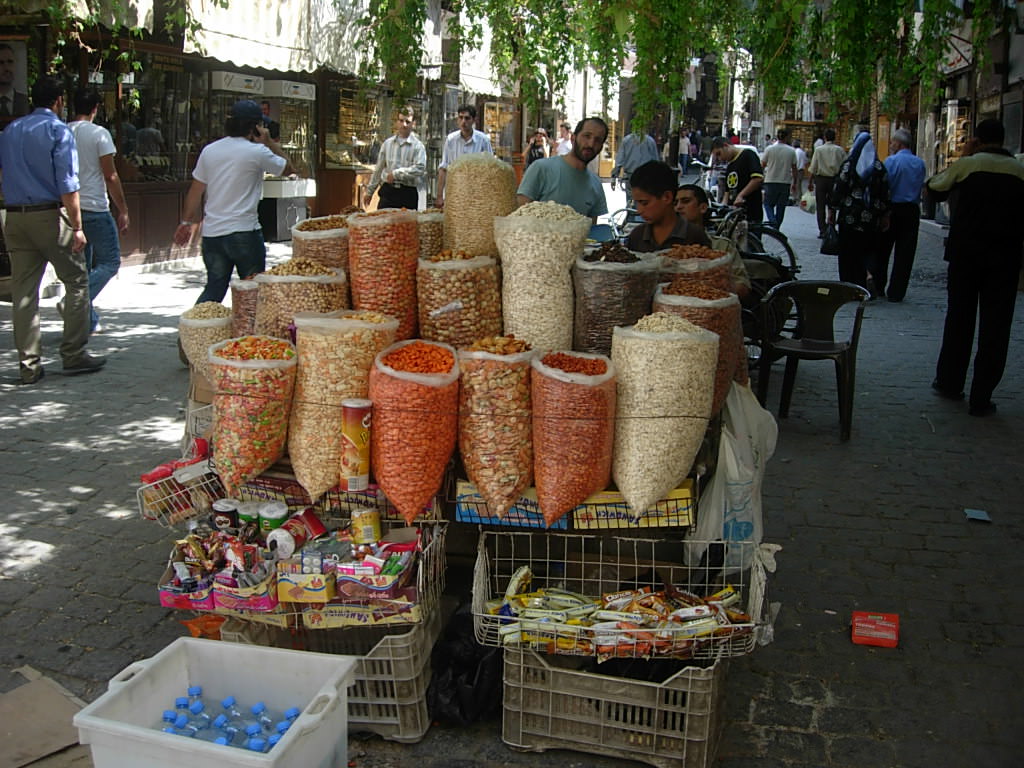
(467, 140)
(635, 149)
(780, 170)
(801, 170)
(39, 164)
(744, 176)
(825, 164)
(229, 173)
(906, 174)
(984, 254)
(99, 180)
(861, 195)
(401, 167)
(566, 179)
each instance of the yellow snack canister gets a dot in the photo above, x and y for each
(365, 525)
(356, 415)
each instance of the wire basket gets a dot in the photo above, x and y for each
(593, 566)
(187, 494)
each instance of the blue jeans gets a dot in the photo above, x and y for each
(776, 198)
(244, 251)
(102, 254)
(684, 164)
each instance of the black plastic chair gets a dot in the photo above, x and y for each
(815, 303)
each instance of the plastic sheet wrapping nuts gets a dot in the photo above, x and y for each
(253, 383)
(336, 352)
(719, 312)
(495, 427)
(431, 231)
(199, 328)
(573, 433)
(459, 300)
(666, 371)
(537, 255)
(478, 188)
(297, 286)
(415, 419)
(383, 250)
(323, 240)
(244, 295)
(610, 294)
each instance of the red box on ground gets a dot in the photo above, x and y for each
(882, 629)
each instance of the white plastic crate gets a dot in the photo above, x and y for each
(674, 723)
(120, 726)
(597, 564)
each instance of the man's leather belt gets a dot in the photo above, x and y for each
(31, 208)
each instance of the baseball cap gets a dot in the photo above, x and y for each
(247, 109)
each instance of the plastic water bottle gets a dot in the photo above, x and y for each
(195, 693)
(234, 714)
(183, 727)
(264, 716)
(199, 717)
(272, 741)
(226, 729)
(256, 744)
(181, 705)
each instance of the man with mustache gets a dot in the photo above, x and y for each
(565, 178)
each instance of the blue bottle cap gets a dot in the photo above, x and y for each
(253, 730)
(256, 745)
(220, 721)
(272, 741)
(171, 729)
(195, 690)
(293, 713)
(258, 708)
(228, 702)
(170, 715)
(181, 702)
(196, 707)
(221, 740)
(181, 721)
(283, 726)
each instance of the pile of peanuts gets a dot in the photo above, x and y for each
(459, 300)
(431, 229)
(719, 312)
(414, 431)
(447, 254)
(692, 251)
(384, 250)
(282, 294)
(665, 367)
(479, 187)
(536, 258)
(244, 294)
(573, 434)
(500, 345)
(495, 429)
(549, 211)
(199, 328)
(607, 295)
(323, 222)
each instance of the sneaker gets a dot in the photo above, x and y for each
(30, 376)
(984, 409)
(946, 393)
(84, 364)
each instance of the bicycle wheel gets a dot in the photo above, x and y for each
(763, 238)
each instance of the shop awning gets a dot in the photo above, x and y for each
(129, 13)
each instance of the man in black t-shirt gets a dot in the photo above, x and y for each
(743, 176)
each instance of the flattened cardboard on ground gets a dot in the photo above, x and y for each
(36, 720)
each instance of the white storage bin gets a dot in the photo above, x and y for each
(120, 726)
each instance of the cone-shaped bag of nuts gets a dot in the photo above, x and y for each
(323, 239)
(200, 327)
(495, 429)
(479, 187)
(336, 352)
(538, 245)
(666, 372)
(253, 378)
(719, 312)
(431, 231)
(690, 265)
(414, 386)
(244, 295)
(573, 428)
(298, 285)
(459, 298)
(383, 250)
(610, 293)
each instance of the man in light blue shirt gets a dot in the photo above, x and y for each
(43, 225)
(467, 140)
(635, 150)
(565, 179)
(906, 174)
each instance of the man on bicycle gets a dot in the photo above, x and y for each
(743, 176)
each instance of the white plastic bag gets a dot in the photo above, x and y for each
(730, 507)
(808, 203)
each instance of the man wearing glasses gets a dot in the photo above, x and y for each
(467, 140)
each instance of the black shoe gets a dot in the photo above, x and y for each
(84, 364)
(895, 300)
(946, 393)
(29, 376)
(984, 409)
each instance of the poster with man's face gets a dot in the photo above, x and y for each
(14, 100)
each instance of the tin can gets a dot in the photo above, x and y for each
(272, 516)
(314, 525)
(289, 537)
(249, 512)
(365, 525)
(356, 414)
(225, 514)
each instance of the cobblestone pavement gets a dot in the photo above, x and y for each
(876, 523)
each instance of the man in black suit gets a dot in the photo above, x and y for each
(12, 103)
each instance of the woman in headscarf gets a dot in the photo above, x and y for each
(861, 195)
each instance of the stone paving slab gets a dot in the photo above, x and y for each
(876, 523)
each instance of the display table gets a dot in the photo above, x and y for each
(283, 205)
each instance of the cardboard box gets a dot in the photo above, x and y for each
(200, 600)
(305, 587)
(199, 388)
(608, 509)
(261, 598)
(525, 513)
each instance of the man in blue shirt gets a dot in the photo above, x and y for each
(39, 164)
(635, 150)
(565, 179)
(467, 140)
(906, 173)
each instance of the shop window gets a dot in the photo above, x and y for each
(354, 126)
(499, 124)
